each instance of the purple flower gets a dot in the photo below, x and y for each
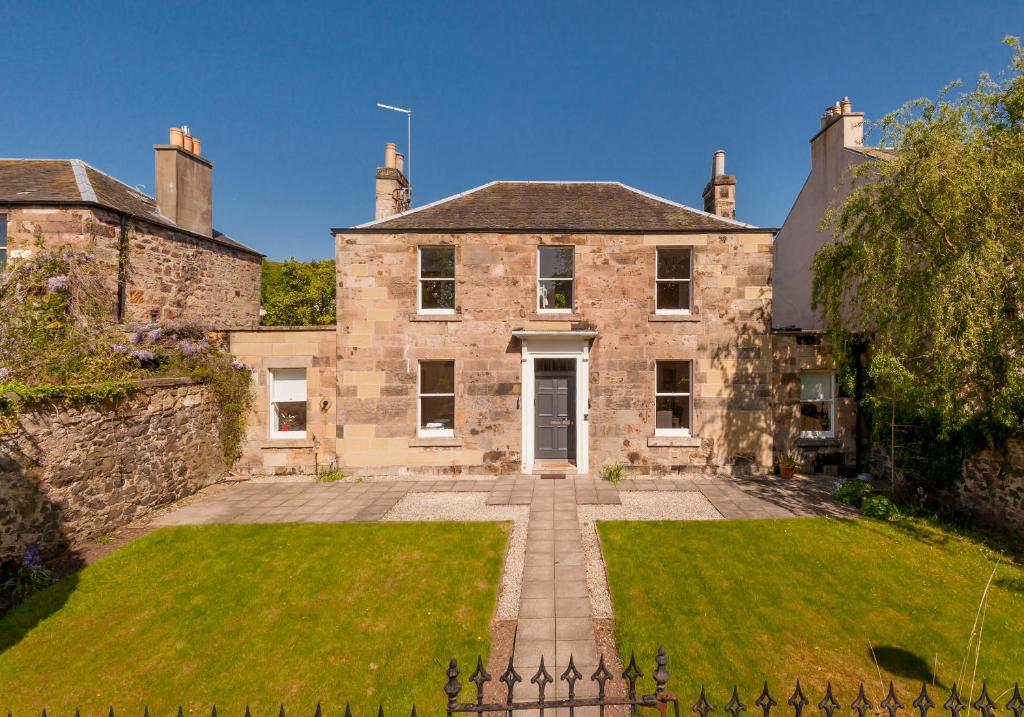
(32, 559)
(137, 337)
(193, 348)
(5, 373)
(142, 355)
(235, 364)
(56, 283)
(155, 334)
(119, 349)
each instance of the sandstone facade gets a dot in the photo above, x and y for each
(312, 349)
(72, 473)
(168, 273)
(382, 337)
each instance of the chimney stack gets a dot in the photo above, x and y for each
(392, 184)
(184, 182)
(720, 191)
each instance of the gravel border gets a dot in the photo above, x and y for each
(646, 505)
(471, 507)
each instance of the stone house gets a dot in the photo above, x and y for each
(815, 419)
(553, 327)
(162, 257)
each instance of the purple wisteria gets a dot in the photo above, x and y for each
(57, 283)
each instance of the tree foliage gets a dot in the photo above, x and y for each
(298, 293)
(928, 260)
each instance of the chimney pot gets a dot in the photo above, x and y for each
(720, 191)
(846, 106)
(184, 183)
(390, 150)
(400, 162)
(189, 145)
(718, 163)
(197, 146)
(176, 137)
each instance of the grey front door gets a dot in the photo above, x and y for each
(555, 410)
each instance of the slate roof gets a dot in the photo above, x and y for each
(873, 152)
(553, 207)
(72, 181)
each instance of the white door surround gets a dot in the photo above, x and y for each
(565, 345)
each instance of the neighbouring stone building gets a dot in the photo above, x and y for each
(162, 257)
(815, 419)
(553, 326)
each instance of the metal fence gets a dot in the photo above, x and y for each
(626, 696)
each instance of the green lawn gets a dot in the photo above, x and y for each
(741, 601)
(259, 615)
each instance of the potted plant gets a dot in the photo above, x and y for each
(787, 465)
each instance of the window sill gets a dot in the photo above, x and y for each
(693, 318)
(286, 443)
(436, 317)
(435, 442)
(823, 442)
(673, 442)
(556, 316)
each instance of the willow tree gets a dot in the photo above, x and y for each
(927, 264)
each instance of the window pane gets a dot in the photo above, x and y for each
(437, 377)
(816, 386)
(288, 384)
(816, 416)
(674, 295)
(437, 294)
(556, 262)
(555, 294)
(673, 377)
(437, 262)
(290, 415)
(437, 412)
(672, 412)
(674, 263)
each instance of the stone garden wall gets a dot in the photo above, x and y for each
(992, 486)
(72, 473)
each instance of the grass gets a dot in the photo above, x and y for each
(258, 615)
(743, 601)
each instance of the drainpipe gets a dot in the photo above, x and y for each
(122, 270)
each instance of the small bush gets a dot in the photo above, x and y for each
(878, 506)
(612, 472)
(852, 492)
(26, 577)
(331, 476)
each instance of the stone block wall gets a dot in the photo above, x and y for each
(314, 349)
(175, 274)
(72, 473)
(991, 487)
(791, 354)
(381, 339)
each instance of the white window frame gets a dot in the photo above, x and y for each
(831, 433)
(536, 300)
(658, 280)
(432, 432)
(677, 432)
(272, 415)
(421, 279)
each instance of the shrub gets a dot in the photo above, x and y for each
(26, 577)
(878, 506)
(612, 472)
(852, 492)
(331, 476)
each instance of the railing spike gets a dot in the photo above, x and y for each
(735, 705)
(765, 701)
(861, 704)
(828, 703)
(145, 711)
(984, 704)
(702, 706)
(601, 676)
(348, 710)
(542, 678)
(571, 676)
(1015, 705)
(179, 711)
(891, 703)
(413, 710)
(280, 711)
(247, 712)
(214, 712)
(631, 674)
(380, 710)
(510, 677)
(923, 703)
(318, 712)
(480, 677)
(955, 703)
(110, 713)
(798, 700)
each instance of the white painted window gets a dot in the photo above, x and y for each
(672, 398)
(674, 280)
(437, 280)
(288, 403)
(436, 399)
(3, 239)
(817, 404)
(555, 279)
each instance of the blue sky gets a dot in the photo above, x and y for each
(283, 95)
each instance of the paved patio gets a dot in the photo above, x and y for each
(344, 501)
